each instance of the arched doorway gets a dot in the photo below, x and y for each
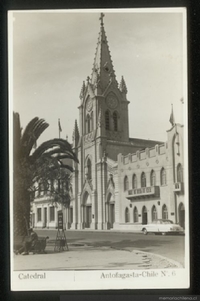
(181, 213)
(110, 211)
(87, 210)
(144, 216)
(127, 215)
(154, 213)
(164, 212)
(135, 215)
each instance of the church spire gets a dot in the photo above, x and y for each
(122, 86)
(103, 72)
(82, 91)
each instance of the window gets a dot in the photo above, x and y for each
(52, 214)
(126, 183)
(134, 182)
(89, 169)
(115, 122)
(91, 122)
(135, 215)
(39, 214)
(163, 177)
(87, 123)
(153, 178)
(127, 216)
(107, 120)
(164, 212)
(179, 173)
(143, 180)
(154, 214)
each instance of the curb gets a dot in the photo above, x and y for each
(178, 264)
(93, 231)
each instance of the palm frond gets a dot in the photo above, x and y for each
(32, 132)
(60, 145)
(27, 130)
(38, 129)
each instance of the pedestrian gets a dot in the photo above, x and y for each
(29, 242)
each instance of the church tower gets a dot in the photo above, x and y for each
(103, 129)
(104, 106)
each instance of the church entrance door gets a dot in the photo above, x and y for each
(87, 210)
(110, 207)
(88, 216)
(112, 215)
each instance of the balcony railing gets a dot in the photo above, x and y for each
(143, 191)
(178, 187)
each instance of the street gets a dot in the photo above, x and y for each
(170, 246)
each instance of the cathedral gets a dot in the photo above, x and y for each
(120, 182)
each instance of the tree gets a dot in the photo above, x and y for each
(35, 166)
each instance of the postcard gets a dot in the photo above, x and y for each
(98, 137)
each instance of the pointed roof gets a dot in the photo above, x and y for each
(103, 70)
(122, 86)
(82, 91)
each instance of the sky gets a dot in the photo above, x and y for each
(52, 53)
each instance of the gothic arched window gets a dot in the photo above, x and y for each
(107, 120)
(164, 212)
(87, 124)
(153, 178)
(115, 121)
(163, 177)
(89, 169)
(126, 183)
(143, 180)
(154, 213)
(179, 173)
(134, 181)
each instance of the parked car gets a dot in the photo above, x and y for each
(163, 227)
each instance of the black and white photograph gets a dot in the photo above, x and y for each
(98, 138)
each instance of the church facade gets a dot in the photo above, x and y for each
(120, 182)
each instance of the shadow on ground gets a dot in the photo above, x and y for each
(127, 245)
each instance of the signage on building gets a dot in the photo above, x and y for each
(60, 220)
(143, 191)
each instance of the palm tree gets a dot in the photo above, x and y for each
(32, 165)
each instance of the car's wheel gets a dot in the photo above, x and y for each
(163, 233)
(145, 231)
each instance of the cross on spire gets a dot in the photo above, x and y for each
(101, 18)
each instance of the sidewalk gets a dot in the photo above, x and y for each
(84, 257)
